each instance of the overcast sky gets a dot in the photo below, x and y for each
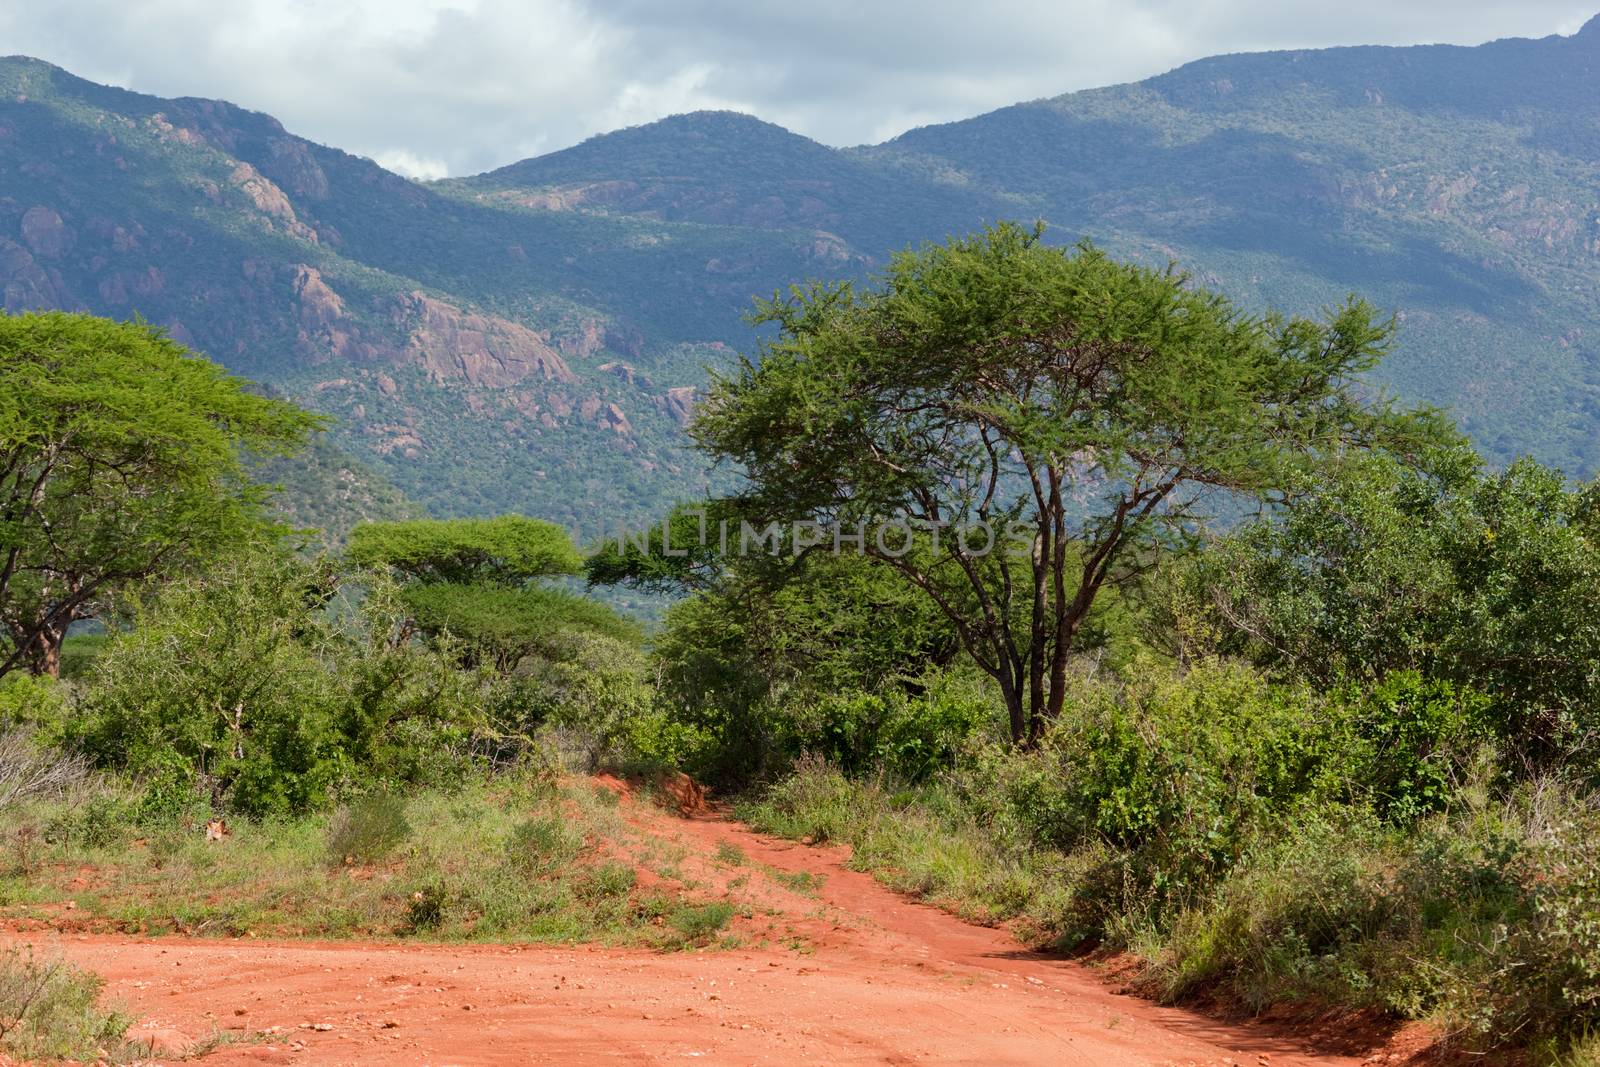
(436, 87)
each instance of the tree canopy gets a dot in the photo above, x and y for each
(483, 582)
(1080, 409)
(1489, 580)
(507, 550)
(120, 459)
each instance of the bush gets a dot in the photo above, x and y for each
(1278, 924)
(225, 680)
(907, 738)
(543, 843)
(697, 924)
(1539, 975)
(1416, 740)
(368, 829)
(241, 686)
(1174, 771)
(426, 908)
(50, 1011)
(29, 701)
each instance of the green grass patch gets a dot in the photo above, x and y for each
(502, 858)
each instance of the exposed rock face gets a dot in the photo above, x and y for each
(123, 287)
(627, 372)
(45, 233)
(482, 349)
(324, 326)
(612, 417)
(588, 338)
(24, 284)
(294, 166)
(270, 200)
(679, 403)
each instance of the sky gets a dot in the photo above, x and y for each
(432, 88)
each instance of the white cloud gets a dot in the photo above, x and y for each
(463, 85)
(412, 165)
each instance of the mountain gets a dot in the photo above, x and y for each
(532, 338)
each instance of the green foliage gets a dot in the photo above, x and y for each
(241, 685)
(51, 1011)
(741, 659)
(1415, 740)
(1085, 404)
(368, 830)
(34, 701)
(907, 738)
(477, 583)
(698, 924)
(1491, 581)
(596, 699)
(1177, 772)
(503, 626)
(226, 681)
(508, 550)
(120, 459)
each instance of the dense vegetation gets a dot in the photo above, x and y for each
(1268, 681)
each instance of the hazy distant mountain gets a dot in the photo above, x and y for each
(531, 338)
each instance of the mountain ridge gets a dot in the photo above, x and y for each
(532, 338)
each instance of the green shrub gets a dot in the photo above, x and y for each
(427, 907)
(50, 1011)
(242, 686)
(1538, 976)
(543, 843)
(1417, 738)
(610, 880)
(226, 680)
(29, 701)
(368, 829)
(698, 924)
(104, 818)
(1281, 924)
(889, 732)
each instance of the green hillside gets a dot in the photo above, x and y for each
(530, 339)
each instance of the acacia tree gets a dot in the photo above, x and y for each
(120, 460)
(1089, 404)
(484, 582)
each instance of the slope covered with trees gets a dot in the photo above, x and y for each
(532, 339)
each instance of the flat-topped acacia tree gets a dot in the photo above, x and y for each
(996, 379)
(120, 461)
(486, 583)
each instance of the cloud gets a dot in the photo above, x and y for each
(412, 165)
(434, 86)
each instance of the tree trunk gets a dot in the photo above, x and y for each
(44, 655)
(1014, 707)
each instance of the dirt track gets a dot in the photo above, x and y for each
(882, 980)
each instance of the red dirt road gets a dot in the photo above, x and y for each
(885, 981)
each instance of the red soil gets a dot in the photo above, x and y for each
(881, 979)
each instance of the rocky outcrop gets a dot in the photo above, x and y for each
(25, 284)
(326, 330)
(45, 233)
(270, 201)
(678, 403)
(626, 372)
(480, 349)
(293, 165)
